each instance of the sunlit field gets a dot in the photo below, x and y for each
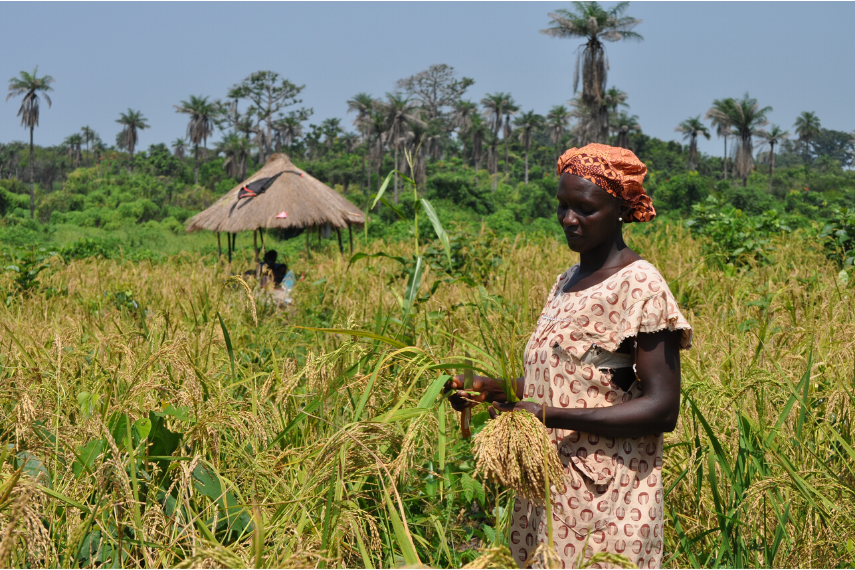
(162, 415)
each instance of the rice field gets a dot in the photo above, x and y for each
(164, 415)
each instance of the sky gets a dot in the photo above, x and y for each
(108, 57)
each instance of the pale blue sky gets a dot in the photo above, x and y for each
(107, 57)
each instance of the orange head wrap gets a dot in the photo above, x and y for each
(616, 170)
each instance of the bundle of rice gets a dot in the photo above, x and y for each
(515, 451)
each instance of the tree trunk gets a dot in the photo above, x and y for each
(365, 183)
(526, 165)
(506, 158)
(396, 171)
(32, 191)
(196, 164)
(771, 164)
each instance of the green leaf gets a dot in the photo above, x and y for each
(382, 189)
(142, 427)
(34, 468)
(87, 456)
(428, 399)
(405, 543)
(437, 227)
(228, 340)
(398, 211)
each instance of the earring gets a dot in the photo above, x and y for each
(620, 219)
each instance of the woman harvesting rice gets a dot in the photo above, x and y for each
(611, 312)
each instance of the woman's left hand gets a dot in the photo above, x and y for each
(535, 409)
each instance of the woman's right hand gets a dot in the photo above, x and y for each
(489, 390)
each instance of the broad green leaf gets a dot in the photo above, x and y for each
(437, 227)
(428, 399)
(87, 456)
(382, 189)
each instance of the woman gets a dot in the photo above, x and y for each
(604, 359)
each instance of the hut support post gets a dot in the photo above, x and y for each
(255, 247)
(350, 235)
(308, 251)
(340, 246)
(219, 246)
(230, 242)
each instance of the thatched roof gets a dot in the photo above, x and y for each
(307, 201)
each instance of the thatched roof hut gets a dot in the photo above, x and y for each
(306, 201)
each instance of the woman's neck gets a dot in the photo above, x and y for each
(611, 253)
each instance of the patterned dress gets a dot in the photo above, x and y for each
(615, 499)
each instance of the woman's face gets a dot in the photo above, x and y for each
(587, 213)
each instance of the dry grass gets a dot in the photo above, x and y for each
(298, 448)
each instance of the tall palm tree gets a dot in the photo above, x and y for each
(775, 135)
(286, 130)
(73, 148)
(624, 125)
(132, 122)
(30, 85)
(461, 116)
(691, 128)
(586, 128)
(179, 148)
(613, 100)
(361, 104)
(720, 114)
(494, 111)
(556, 122)
(478, 132)
(510, 109)
(592, 22)
(89, 136)
(200, 127)
(526, 123)
(236, 149)
(807, 128)
(400, 113)
(747, 118)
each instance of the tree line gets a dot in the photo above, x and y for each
(426, 117)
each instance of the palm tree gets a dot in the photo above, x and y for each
(613, 100)
(400, 113)
(286, 130)
(89, 136)
(510, 109)
(30, 85)
(236, 149)
(132, 122)
(746, 117)
(590, 21)
(477, 132)
(98, 150)
(775, 135)
(73, 148)
(691, 128)
(461, 116)
(201, 125)
(179, 148)
(362, 103)
(720, 114)
(624, 125)
(587, 126)
(807, 128)
(556, 123)
(526, 123)
(494, 111)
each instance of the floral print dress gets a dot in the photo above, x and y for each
(615, 499)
